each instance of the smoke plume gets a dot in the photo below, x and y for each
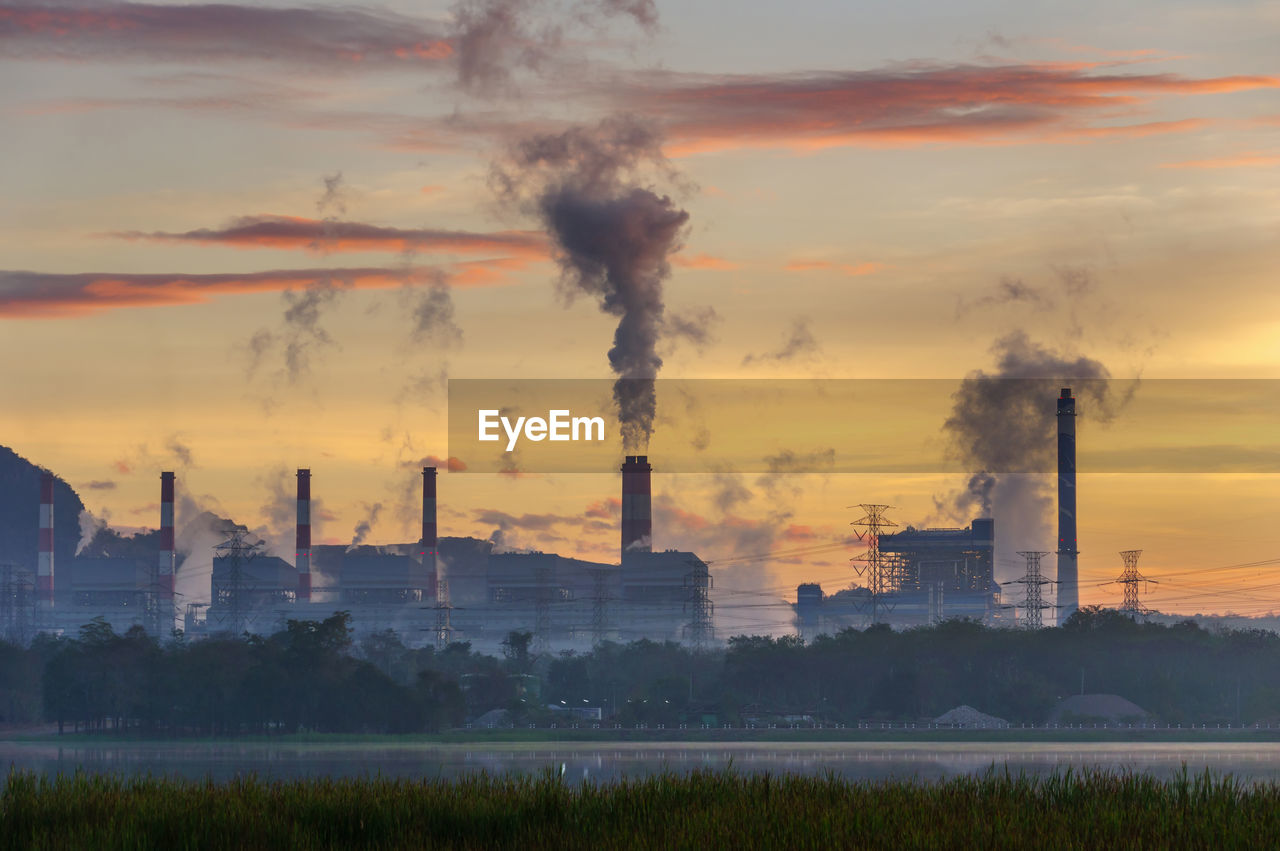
(199, 527)
(695, 326)
(1010, 290)
(365, 526)
(300, 333)
(180, 451)
(432, 314)
(333, 202)
(799, 343)
(90, 526)
(613, 238)
(279, 510)
(493, 40)
(1003, 427)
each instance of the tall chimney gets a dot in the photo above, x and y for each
(44, 563)
(304, 536)
(166, 572)
(429, 542)
(637, 505)
(1068, 569)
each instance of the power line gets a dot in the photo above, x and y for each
(1130, 579)
(1033, 582)
(881, 572)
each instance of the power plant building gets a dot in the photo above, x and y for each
(934, 575)
(465, 589)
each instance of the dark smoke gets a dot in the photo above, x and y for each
(800, 342)
(432, 313)
(728, 491)
(613, 237)
(495, 39)
(300, 333)
(1008, 291)
(333, 202)
(180, 451)
(696, 326)
(1003, 427)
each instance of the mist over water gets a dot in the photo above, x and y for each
(606, 763)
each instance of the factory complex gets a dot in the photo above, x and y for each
(445, 589)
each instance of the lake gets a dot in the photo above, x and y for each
(1254, 761)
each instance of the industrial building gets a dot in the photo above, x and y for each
(932, 575)
(929, 575)
(431, 590)
(465, 589)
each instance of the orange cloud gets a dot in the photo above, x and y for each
(687, 520)
(704, 261)
(453, 464)
(293, 232)
(1242, 160)
(798, 532)
(605, 509)
(491, 271)
(917, 105)
(39, 295)
(851, 269)
(217, 32)
(1129, 131)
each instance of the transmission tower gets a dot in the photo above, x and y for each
(236, 552)
(600, 599)
(1033, 604)
(444, 612)
(697, 583)
(150, 600)
(542, 608)
(881, 572)
(1130, 578)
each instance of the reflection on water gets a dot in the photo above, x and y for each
(603, 763)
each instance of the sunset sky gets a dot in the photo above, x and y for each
(237, 240)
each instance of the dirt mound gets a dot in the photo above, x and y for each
(492, 718)
(1097, 707)
(968, 717)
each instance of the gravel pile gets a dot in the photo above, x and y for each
(1104, 707)
(967, 716)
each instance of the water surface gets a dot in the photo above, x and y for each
(598, 762)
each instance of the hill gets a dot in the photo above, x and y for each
(20, 515)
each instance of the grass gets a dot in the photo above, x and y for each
(699, 810)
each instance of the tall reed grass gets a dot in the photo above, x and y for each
(698, 810)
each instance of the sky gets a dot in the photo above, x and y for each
(236, 240)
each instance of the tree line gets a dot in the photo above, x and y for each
(312, 676)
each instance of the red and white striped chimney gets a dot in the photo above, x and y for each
(637, 505)
(304, 536)
(167, 558)
(44, 563)
(429, 541)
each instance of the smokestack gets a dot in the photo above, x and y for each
(637, 505)
(166, 571)
(44, 564)
(304, 536)
(429, 542)
(1068, 570)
